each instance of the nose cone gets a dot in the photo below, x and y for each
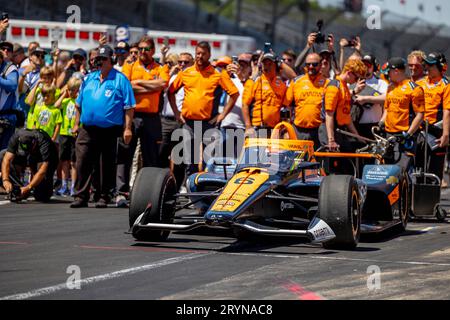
(214, 218)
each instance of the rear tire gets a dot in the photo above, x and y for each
(339, 208)
(405, 203)
(153, 187)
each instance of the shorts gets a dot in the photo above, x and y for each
(67, 148)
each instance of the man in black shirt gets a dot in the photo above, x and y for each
(33, 148)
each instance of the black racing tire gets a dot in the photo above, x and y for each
(441, 213)
(155, 186)
(339, 208)
(405, 202)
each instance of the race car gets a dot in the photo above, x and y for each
(277, 188)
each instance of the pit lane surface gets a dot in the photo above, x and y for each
(41, 243)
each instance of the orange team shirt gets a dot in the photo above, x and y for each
(437, 98)
(273, 97)
(146, 102)
(308, 97)
(199, 87)
(337, 98)
(399, 100)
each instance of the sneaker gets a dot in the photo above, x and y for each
(101, 204)
(62, 191)
(79, 203)
(72, 191)
(121, 201)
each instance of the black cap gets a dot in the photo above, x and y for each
(7, 44)
(105, 51)
(435, 58)
(394, 63)
(370, 58)
(80, 52)
(27, 140)
(122, 47)
(269, 56)
(37, 50)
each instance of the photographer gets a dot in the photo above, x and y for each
(355, 43)
(8, 95)
(369, 95)
(317, 37)
(4, 24)
(34, 149)
(75, 65)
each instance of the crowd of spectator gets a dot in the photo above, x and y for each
(86, 122)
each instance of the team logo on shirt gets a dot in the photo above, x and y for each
(108, 93)
(70, 112)
(44, 117)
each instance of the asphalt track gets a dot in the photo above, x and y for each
(43, 246)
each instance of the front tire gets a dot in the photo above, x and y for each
(339, 208)
(154, 192)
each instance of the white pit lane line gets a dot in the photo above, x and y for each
(281, 256)
(108, 276)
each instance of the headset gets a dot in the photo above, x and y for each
(441, 62)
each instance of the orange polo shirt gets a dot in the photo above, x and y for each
(337, 98)
(146, 102)
(399, 100)
(267, 97)
(199, 86)
(308, 96)
(437, 98)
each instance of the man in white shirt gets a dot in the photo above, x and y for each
(233, 125)
(370, 96)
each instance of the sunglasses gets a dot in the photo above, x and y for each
(146, 49)
(183, 62)
(288, 59)
(6, 49)
(313, 64)
(40, 55)
(134, 52)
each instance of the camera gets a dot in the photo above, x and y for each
(5, 16)
(320, 37)
(15, 195)
(351, 42)
(267, 47)
(235, 59)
